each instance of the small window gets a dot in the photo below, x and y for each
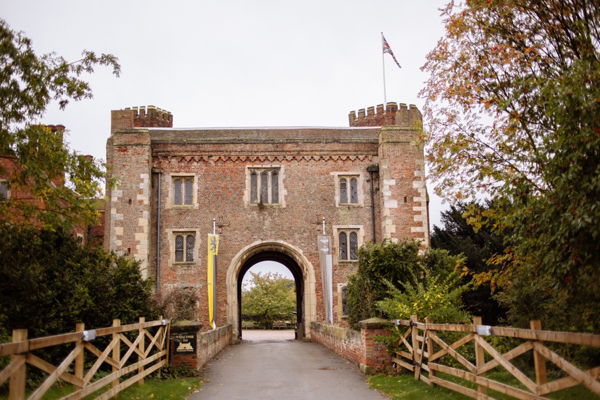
(189, 248)
(354, 191)
(348, 190)
(184, 247)
(264, 186)
(348, 245)
(189, 192)
(274, 187)
(4, 192)
(179, 248)
(254, 188)
(353, 245)
(178, 191)
(343, 246)
(183, 191)
(345, 301)
(343, 191)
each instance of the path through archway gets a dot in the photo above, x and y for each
(286, 254)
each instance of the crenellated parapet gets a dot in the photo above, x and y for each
(141, 117)
(151, 117)
(392, 115)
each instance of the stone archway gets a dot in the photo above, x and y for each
(288, 255)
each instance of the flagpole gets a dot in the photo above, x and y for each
(383, 64)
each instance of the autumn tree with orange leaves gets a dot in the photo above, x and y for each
(513, 111)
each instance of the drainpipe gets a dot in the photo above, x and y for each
(158, 234)
(371, 169)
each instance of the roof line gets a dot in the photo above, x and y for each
(259, 128)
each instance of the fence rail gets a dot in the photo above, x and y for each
(149, 345)
(420, 341)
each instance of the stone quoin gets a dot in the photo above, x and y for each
(269, 190)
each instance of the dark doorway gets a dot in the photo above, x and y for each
(298, 278)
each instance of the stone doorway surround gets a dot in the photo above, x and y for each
(275, 250)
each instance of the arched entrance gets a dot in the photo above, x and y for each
(294, 260)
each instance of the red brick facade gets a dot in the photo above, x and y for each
(303, 169)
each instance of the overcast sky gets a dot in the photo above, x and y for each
(234, 63)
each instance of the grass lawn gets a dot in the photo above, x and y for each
(405, 387)
(151, 389)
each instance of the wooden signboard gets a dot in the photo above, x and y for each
(184, 343)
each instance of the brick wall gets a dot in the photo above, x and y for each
(358, 347)
(310, 162)
(348, 343)
(208, 345)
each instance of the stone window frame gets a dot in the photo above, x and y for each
(259, 169)
(337, 229)
(171, 191)
(172, 235)
(359, 176)
(4, 182)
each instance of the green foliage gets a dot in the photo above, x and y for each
(396, 264)
(513, 111)
(478, 245)
(389, 261)
(28, 84)
(49, 282)
(269, 297)
(429, 296)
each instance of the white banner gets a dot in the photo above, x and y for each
(326, 263)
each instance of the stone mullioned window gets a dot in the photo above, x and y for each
(264, 186)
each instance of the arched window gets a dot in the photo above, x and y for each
(189, 248)
(264, 188)
(274, 188)
(179, 248)
(354, 191)
(178, 192)
(253, 188)
(353, 245)
(189, 191)
(343, 246)
(343, 191)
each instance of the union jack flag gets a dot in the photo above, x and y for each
(387, 49)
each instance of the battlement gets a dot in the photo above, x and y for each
(151, 117)
(393, 115)
(55, 128)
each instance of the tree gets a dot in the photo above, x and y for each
(478, 246)
(513, 111)
(28, 83)
(269, 297)
(396, 264)
(49, 282)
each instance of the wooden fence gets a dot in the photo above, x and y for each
(151, 355)
(420, 341)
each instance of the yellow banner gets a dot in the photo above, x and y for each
(211, 277)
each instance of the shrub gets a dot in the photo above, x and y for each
(389, 261)
(49, 282)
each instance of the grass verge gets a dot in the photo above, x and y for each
(405, 387)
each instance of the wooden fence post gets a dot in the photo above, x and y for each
(142, 348)
(429, 352)
(164, 332)
(116, 353)
(479, 357)
(538, 360)
(80, 360)
(415, 343)
(16, 389)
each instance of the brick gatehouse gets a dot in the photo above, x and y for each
(269, 190)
